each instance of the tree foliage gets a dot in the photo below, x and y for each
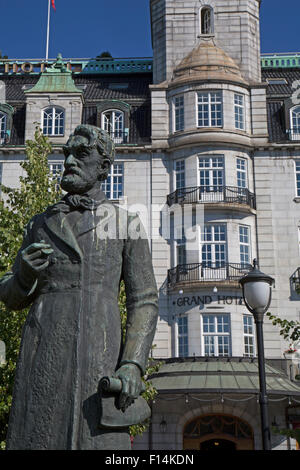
(290, 330)
(37, 190)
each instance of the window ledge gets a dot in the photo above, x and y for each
(297, 199)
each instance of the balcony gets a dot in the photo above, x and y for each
(218, 272)
(119, 137)
(212, 195)
(294, 133)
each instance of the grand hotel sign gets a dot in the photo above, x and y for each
(98, 65)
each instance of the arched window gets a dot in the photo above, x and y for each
(295, 123)
(113, 124)
(3, 128)
(53, 121)
(206, 20)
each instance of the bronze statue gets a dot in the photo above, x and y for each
(70, 271)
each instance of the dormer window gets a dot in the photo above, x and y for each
(53, 121)
(206, 20)
(3, 128)
(113, 124)
(295, 123)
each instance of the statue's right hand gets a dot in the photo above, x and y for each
(34, 258)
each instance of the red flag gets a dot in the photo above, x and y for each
(53, 4)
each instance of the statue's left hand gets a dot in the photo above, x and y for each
(130, 376)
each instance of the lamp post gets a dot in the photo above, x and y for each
(257, 294)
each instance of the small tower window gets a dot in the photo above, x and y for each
(206, 20)
(53, 121)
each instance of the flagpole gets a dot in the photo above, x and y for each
(48, 30)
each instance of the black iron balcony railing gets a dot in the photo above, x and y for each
(205, 272)
(294, 133)
(119, 137)
(212, 195)
(4, 138)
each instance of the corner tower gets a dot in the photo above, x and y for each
(178, 26)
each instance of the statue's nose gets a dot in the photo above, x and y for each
(70, 160)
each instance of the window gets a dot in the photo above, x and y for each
(211, 178)
(206, 20)
(113, 185)
(241, 172)
(183, 343)
(244, 245)
(3, 126)
(53, 121)
(181, 252)
(180, 174)
(295, 123)
(179, 113)
(213, 250)
(113, 124)
(276, 81)
(239, 112)
(56, 171)
(248, 336)
(297, 168)
(210, 109)
(216, 335)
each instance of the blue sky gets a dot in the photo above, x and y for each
(86, 28)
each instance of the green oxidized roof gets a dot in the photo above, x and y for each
(210, 376)
(56, 78)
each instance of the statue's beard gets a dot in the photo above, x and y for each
(76, 184)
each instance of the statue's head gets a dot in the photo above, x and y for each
(89, 154)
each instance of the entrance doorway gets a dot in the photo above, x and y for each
(218, 432)
(218, 444)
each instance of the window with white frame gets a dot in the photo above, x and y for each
(113, 124)
(113, 186)
(53, 121)
(297, 170)
(3, 127)
(216, 335)
(179, 113)
(206, 20)
(210, 109)
(248, 336)
(239, 111)
(213, 249)
(295, 122)
(241, 173)
(56, 171)
(179, 174)
(211, 173)
(244, 238)
(182, 336)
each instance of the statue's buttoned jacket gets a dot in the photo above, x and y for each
(72, 336)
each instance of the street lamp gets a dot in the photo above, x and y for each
(257, 294)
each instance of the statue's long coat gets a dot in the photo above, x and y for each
(72, 335)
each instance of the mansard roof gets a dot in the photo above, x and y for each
(277, 94)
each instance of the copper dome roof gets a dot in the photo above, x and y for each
(205, 62)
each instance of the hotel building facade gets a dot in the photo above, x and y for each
(207, 137)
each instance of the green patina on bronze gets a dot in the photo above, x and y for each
(57, 78)
(69, 269)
